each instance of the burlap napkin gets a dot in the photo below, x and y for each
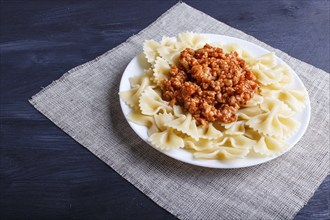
(84, 103)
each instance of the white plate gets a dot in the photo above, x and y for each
(136, 67)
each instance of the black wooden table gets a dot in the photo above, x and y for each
(47, 175)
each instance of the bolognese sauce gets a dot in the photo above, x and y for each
(210, 84)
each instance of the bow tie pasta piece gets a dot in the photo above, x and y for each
(170, 50)
(161, 120)
(285, 81)
(161, 70)
(276, 121)
(256, 100)
(192, 40)
(239, 50)
(136, 81)
(178, 111)
(171, 55)
(271, 104)
(185, 124)
(252, 134)
(216, 44)
(204, 145)
(289, 126)
(228, 48)
(166, 140)
(287, 76)
(168, 41)
(150, 50)
(245, 54)
(138, 118)
(248, 112)
(234, 128)
(223, 153)
(267, 60)
(131, 97)
(144, 120)
(270, 146)
(269, 124)
(208, 132)
(150, 102)
(267, 76)
(294, 98)
(236, 141)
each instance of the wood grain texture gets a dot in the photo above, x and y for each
(44, 174)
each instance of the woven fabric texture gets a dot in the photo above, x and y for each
(84, 103)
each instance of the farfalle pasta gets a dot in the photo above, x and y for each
(262, 123)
